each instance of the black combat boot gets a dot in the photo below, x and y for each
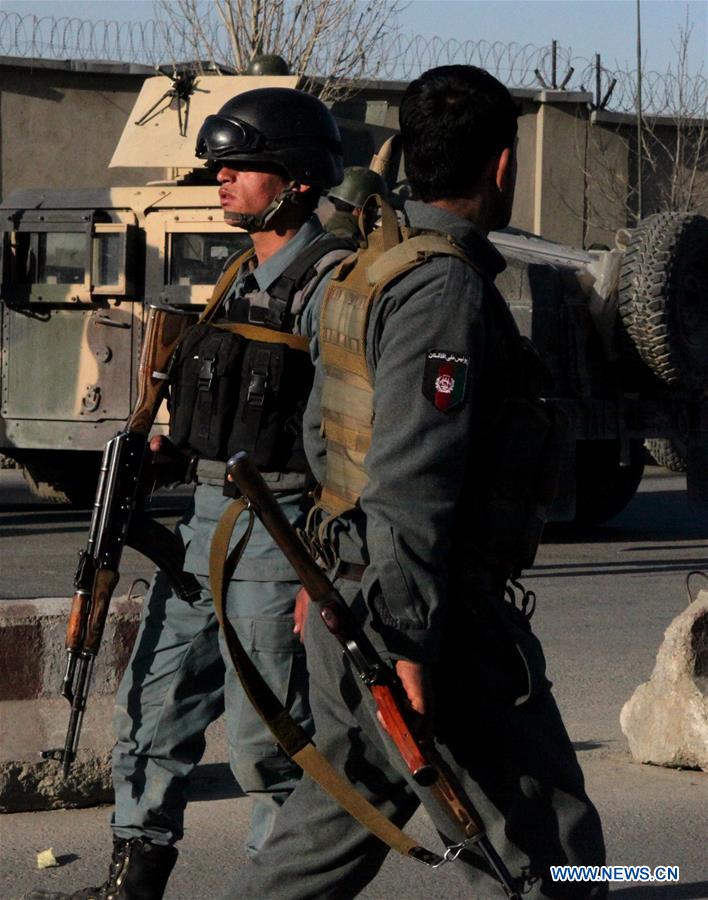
(139, 871)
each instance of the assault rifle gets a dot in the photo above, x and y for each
(116, 522)
(424, 762)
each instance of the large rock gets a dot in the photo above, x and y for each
(666, 719)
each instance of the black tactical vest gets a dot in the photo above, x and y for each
(240, 385)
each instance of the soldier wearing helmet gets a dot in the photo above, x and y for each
(267, 64)
(348, 198)
(240, 381)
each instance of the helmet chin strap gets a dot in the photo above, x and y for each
(263, 221)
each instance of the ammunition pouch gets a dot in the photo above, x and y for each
(231, 393)
(243, 386)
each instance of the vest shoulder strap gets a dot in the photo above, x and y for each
(226, 279)
(409, 254)
(266, 335)
(299, 274)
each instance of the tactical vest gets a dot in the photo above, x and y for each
(506, 507)
(242, 386)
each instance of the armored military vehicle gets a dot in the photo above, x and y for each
(79, 266)
(623, 332)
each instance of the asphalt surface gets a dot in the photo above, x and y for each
(605, 597)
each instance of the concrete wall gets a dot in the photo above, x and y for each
(34, 716)
(59, 124)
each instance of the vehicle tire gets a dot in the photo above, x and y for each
(54, 478)
(667, 452)
(663, 297)
(603, 487)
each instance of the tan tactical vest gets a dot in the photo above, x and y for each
(347, 393)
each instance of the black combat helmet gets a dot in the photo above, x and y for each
(268, 64)
(289, 128)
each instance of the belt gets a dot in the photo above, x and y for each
(213, 471)
(349, 571)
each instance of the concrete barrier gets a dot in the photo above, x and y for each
(34, 715)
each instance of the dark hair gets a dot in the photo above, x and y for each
(454, 120)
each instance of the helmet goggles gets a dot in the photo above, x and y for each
(221, 138)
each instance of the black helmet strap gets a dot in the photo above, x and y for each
(264, 221)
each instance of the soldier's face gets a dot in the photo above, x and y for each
(246, 191)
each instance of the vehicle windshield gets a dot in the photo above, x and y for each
(199, 257)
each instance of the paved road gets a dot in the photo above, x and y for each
(606, 595)
(40, 542)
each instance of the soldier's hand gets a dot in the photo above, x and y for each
(302, 605)
(416, 681)
(166, 464)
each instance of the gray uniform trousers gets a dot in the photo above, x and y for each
(179, 680)
(515, 762)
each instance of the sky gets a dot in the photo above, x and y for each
(587, 27)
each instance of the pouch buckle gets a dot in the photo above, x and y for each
(206, 373)
(257, 387)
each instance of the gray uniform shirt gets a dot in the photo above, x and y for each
(417, 462)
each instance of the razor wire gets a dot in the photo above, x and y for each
(402, 58)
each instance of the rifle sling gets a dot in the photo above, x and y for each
(291, 737)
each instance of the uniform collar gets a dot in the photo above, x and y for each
(275, 265)
(471, 240)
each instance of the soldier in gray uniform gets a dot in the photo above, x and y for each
(425, 552)
(240, 381)
(349, 197)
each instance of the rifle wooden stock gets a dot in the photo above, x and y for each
(381, 160)
(163, 331)
(77, 620)
(97, 573)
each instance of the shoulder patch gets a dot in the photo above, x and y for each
(445, 378)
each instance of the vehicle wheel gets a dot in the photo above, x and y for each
(60, 480)
(603, 487)
(667, 452)
(663, 296)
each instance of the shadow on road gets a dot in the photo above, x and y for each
(628, 567)
(655, 516)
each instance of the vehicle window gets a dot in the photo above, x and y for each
(198, 258)
(51, 257)
(61, 258)
(107, 258)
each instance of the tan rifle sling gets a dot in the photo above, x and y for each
(347, 392)
(250, 332)
(286, 731)
(222, 286)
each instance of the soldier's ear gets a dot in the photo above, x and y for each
(503, 165)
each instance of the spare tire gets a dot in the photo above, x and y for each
(668, 452)
(663, 297)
